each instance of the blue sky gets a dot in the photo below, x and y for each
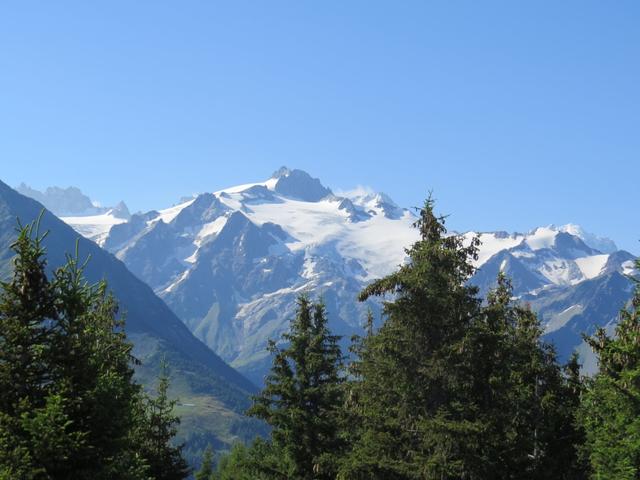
(516, 114)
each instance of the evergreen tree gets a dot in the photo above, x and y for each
(302, 397)
(259, 461)
(27, 306)
(159, 427)
(206, 469)
(409, 390)
(526, 400)
(610, 411)
(92, 367)
(69, 407)
(450, 389)
(34, 423)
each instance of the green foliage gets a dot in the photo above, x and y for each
(610, 411)
(51, 433)
(91, 361)
(206, 469)
(15, 457)
(448, 388)
(302, 397)
(69, 407)
(26, 305)
(156, 429)
(259, 461)
(407, 402)
(526, 400)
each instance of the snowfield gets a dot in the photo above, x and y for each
(94, 227)
(376, 240)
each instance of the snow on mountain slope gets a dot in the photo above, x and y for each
(493, 243)
(86, 216)
(314, 223)
(605, 245)
(542, 237)
(168, 214)
(230, 263)
(550, 253)
(593, 265)
(629, 269)
(206, 232)
(308, 223)
(94, 227)
(269, 185)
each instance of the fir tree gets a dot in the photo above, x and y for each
(27, 307)
(92, 365)
(409, 390)
(69, 407)
(259, 461)
(206, 469)
(450, 389)
(526, 400)
(159, 427)
(610, 411)
(35, 425)
(302, 396)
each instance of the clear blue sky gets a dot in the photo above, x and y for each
(514, 113)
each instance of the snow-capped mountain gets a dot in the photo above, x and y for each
(573, 287)
(86, 216)
(230, 263)
(217, 394)
(96, 227)
(550, 256)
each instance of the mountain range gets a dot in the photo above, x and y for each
(230, 263)
(213, 396)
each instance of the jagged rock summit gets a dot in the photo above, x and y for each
(299, 184)
(78, 210)
(71, 202)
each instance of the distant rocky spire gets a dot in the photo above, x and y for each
(299, 184)
(281, 172)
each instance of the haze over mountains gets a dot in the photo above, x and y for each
(230, 263)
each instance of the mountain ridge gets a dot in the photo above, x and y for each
(218, 393)
(234, 260)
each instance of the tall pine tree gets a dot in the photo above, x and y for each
(156, 430)
(36, 433)
(69, 407)
(205, 472)
(92, 364)
(526, 400)
(610, 411)
(409, 391)
(450, 389)
(302, 397)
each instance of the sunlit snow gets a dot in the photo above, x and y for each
(94, 227)
(168, 214)
(593, 265)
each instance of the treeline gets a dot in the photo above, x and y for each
(69, 407)
(449, 387)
